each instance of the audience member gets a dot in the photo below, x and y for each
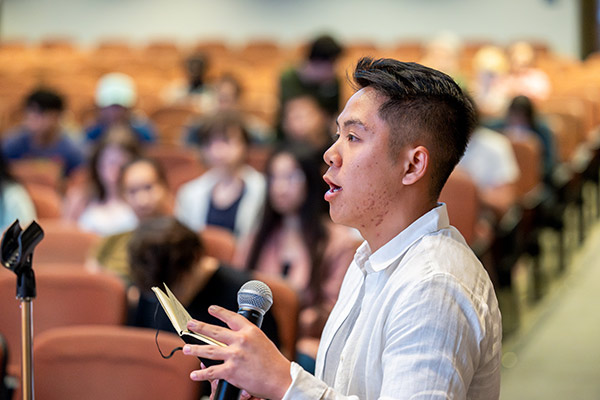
(40, 135)
(304, 120)
(224, 96)
(115, 97)
(491, 163)
(524, 77)
(315, 76)
(192, 90)
(443, 53)
(15, 202)
(230, 193)
(490, 66)
(296, 239)
(163, 251)
(521, 120)
(143, 185)
(105, 212)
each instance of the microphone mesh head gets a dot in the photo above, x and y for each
(255, 295)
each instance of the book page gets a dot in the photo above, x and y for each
(179, 316)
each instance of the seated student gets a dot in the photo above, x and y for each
(162, 250)
(14, 200)
(143, 185)
(296, 239)
(231, 193)
(103, 209)
(491, 162)
(305, 120)
(115, 97)
(520, 121)
(40, 135)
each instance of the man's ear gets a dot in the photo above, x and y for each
(417, 165)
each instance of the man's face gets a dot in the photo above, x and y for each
(365, 184)
(42, 123)
(225, 151)
(143, 191)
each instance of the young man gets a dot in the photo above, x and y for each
(416, 316)
(41, 135)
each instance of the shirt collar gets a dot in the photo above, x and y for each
(430, 222)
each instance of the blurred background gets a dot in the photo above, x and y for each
(181, 142)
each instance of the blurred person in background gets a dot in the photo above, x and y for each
(443, 53)
(521, 121)
(490, 66)
(40, 135)
(143, 185)
(164, 251)
(224, 95)
(98, 206)
(524, 78)
(305, 120)
(15, 202)
(230, 194)
(193, 88)
(297, 241)
(315, 76)
(115, 98)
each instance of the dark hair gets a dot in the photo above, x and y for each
(161, 250)
(522, 105)
(421, 104)
(43, 100)
(156, 166)
(128, 145)
(217, 125)
(312, 210)
(324, 48)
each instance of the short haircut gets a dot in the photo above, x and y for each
(44, 100)
(324, 48)
(423, 106)
(218, 125)
(161, 250)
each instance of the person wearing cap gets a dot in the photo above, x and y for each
(40, 135)
(115, 97)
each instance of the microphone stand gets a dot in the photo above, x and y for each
(16, 254)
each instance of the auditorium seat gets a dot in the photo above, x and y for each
(181, 164)
(64, 242)
(462, 201)
(38, 171)
(285, 310)
(65, 297)
(218, 242)
(46, 200)
(109, 362)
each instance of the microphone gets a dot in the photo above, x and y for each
(254, 300)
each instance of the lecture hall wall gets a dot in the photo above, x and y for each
(290, 21)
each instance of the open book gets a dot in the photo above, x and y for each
(179, 317)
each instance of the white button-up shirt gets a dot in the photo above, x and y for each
(428, 327)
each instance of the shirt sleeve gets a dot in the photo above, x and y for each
(306, 386)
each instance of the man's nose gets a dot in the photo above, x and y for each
(332, 156)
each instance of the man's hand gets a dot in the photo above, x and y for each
(250, 360)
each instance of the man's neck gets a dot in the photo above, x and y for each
(394, 223)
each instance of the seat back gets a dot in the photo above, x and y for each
(64, 242)
(45, 199)
(528, 153)
(110, 362)
(219, 243)
(39, 171)
(285, 310)
(65, 297)
(462, 202)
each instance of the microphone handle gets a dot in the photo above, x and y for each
(225, 390)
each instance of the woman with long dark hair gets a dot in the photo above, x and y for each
(296, 239)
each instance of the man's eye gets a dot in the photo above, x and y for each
(352, 138)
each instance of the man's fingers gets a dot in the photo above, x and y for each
(206, 351)
(207, 374)
(233, 320)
